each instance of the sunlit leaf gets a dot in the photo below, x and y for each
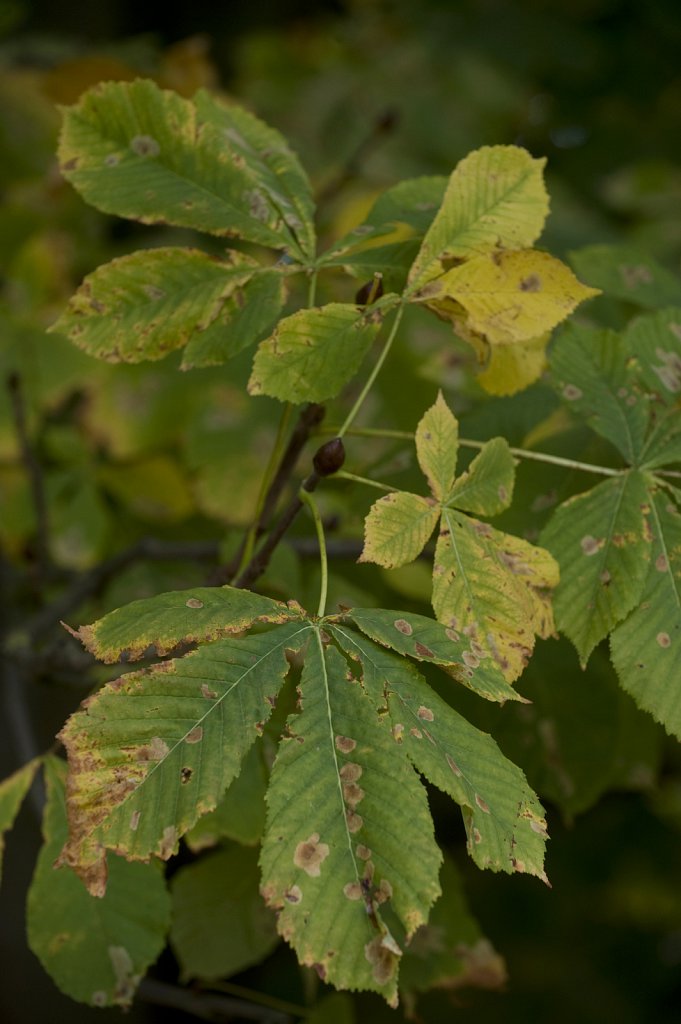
(495, 198)
(601, 540)
(486, 488)
(397, 528)
(220, 923)
(95, 950)
(437, 445)
(511, 368)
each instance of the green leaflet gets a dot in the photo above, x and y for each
(628, 273)
(601, 540)
(188, 616)
(137, 151)
(154, 750)
(95, 950)
(240, 814)
(504, 821)
(489, 586)
(495, 198)
(313, 354)
(269, 158)
(342, 813)
(594, 375)
(147, 304)
(220, 924)
(13, 789)
(646, 647)
(655, 342)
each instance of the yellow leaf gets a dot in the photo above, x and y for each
(510, 296)
(397, 528)
(437, 444)
(514, 367)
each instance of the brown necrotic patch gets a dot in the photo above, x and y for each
(345, 744)
(294, 894)
(310, 854)
(354, 821)
(351, 772)
(663, 639)
(207, 692)
(353, 794)
(531, 283)
(185, 775)
(195, 735)
(404, 627)
(194, 602)
(425, 713)
(423, 651)
(352, 891)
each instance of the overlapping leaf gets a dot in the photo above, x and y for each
(655, 341)
(313, 354)
(145, 305)
(95, 950)
(628, 273)
(490, 586)
(349, 859)
(137, 151)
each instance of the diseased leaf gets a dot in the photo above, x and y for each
(654, 341)
(313, 354)
(450, 951)
(646, 646)
(493, 587)
(504, 821)
(152, 751)
(397, 528)
(137, 151)
(509, 296)
(486, 488)
(13, 789)
(628, 273)
(495, 198)
(511, 368)
(342, 809)
(663, 444)
(437, 445)
(601, 540)
(418, 637)
(220, 923)
(95, 950)
(181, 616)
(248, 313)
(593, 373)
(270, 160)
(147, 304)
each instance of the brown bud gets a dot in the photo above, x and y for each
(329, 458)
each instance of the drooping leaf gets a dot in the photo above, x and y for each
(495, 197)
(512, 368)
(152, 751)
(601, 540)
(13, 789)
(646, 646)
(313, 353)
(509, 296)
(271, 162)
(628, 273)
(504, 822)
(147, 304)
(437, 445)
(594, 375)
(397, 528)
(450, 952)
(181, 616)
(137, 151)
(95, 950)
(654, 341)
(220, 924)
(342, 810)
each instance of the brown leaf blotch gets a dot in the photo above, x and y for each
(589, 545)
(531, 283)
(363, 852)
(404, 627)
(453, 765)
(416, 733)
(663, 639)
(135, 820)
(168, 842)
(354, 821)
(661, 563)
(481, 803)
(194, 602)
(194, 735)
(423, 651)
(294, 894)
(351, 772)
(353, 794)
(425, 713)
(345, 744)
(310, 854)
(207, 692)
(352, 891)
(382, 960)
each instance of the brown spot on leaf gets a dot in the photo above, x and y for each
(531, 283)
(207, 692)
(661, 563)
(351, 772)
(453, 635)
(352, 891)
(310, 855)
(185, 775)
(194, 602)
(589, 545)
(416, 733)
(398, 731)
(354, 821)
(423, 651)
(345, 744)
(135, 820)
(663, 639)
(477, 838)
(363, 852)
(470, 659)
(383, 961)
(155, 750)
(145, 145)
(404, 627)
(294, 894)
(194, 735)
(605, 578)
(168, 842)
(384, 892)
(481, 803)
(425, 713)
(571, 392)
(353, 794)
(453, 765)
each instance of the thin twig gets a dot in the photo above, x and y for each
(208, 1006)
(34, 472)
